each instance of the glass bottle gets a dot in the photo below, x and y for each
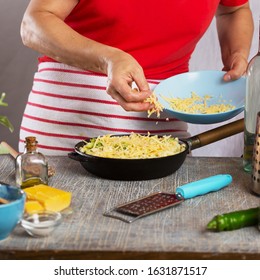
(252, 107)
(31, 166)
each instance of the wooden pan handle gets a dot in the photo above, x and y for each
(216, 134)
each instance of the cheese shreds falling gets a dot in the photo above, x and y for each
(152, 99)
(158, 108)
(133, 146)
(197, 105)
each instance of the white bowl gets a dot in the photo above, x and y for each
(41, 223)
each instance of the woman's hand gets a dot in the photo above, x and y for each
(122, 71)
(236, 67)
(235, 31)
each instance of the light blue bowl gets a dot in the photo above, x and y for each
(203, 83)
(10, 213)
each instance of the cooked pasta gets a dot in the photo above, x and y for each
(133, 146)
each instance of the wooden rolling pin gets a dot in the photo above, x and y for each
(14, 154)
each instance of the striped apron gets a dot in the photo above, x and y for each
(67, 105)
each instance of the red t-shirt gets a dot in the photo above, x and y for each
(161, 36)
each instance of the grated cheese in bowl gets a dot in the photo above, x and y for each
(133, 146)
(197, 105)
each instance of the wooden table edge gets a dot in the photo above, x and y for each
(114, 255)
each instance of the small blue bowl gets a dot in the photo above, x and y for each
(208, 82)
(12, 212)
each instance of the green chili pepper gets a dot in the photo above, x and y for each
(234, 220)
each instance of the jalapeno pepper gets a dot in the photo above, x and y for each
(234, 220)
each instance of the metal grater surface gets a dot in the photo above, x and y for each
(255, 186)
(144, 206)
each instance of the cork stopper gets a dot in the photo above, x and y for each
(30, 139)
(31, 143)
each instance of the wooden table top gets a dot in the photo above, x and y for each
(175, 233)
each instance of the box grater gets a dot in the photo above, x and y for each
(255, 185)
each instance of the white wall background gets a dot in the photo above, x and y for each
(18, 63)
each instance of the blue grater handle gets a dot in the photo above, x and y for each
(204, 186)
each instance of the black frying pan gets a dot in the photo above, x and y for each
(152, 168)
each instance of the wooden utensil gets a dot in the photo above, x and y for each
(3, 201)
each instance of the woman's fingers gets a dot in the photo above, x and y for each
(237, 68)
(124, 75)
(133, 103)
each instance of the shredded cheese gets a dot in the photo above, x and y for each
(197, 105)
(133, 146)
(158, 108)
(152, 99)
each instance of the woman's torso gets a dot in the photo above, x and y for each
(160, 35)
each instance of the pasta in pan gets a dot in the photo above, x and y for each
(133, 146)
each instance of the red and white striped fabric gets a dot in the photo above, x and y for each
(67, 105)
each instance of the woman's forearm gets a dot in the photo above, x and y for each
(235, 31)
(43, 29)
(46, 33)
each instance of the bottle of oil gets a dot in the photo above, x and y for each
(31, 166)
(252, 107)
